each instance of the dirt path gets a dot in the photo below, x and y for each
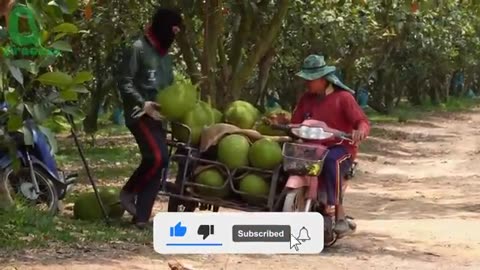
(416, 200)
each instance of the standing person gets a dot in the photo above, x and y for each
(146, 69)
(272, 100)
(329, 100)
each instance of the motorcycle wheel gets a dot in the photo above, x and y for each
(330, 237)
(294, 201)
(22, 186)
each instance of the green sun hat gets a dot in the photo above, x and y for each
(314, 67)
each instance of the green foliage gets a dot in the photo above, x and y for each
(109, 28)
(411, 53)
(33, 78)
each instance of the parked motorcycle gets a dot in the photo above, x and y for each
(303, 161)
(38, 181)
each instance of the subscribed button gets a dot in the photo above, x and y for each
(261, 233)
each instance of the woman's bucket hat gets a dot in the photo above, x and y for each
(314, 67)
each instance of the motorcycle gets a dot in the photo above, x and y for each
(303, 161)
(38, 181)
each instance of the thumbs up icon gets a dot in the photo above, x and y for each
(178, 230)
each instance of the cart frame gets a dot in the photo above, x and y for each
(183, 189)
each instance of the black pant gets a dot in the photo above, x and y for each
(146, 180)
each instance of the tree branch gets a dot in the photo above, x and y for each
(212, 30)
(188, 57)
(263, 6)
(241, 37)
(262, 45)
(191, 35)
(263, 74)
(188, 46)
(226, 69)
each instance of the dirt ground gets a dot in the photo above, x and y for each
(416, 200)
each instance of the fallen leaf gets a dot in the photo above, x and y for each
(177, 266)
(28, 238)
(431, 254)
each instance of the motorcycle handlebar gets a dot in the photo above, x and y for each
(281, 127)
(346, 136)
(288, 129)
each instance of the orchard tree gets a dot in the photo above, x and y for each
(110, 24)
(224, 41)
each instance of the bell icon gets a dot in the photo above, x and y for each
(303, 235)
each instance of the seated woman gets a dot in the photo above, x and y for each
(328, 100)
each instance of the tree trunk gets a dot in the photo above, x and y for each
(399, 95)
(188, 56)
(433, 93)
(466, 83)
(264, 72)
(240, 36)
(186, 41)
(389, 96)
(413, 91)
(443, 95)
(90, 122)
(211, 36)
(262, 45)
(98, 96)
(348, 66)
(451, 88)
(377, 93)
(222, 98)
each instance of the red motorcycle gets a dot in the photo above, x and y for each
(303, 161)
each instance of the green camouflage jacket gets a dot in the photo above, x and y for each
(141, 74)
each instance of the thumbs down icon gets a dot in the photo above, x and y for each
(205, 230)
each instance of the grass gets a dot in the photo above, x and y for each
(109, 130)
(405, 112)
(102, 154)
(23, 227)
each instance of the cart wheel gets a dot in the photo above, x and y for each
(177, 205)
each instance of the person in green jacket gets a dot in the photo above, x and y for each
(145, 69)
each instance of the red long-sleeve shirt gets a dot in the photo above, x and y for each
(338, 110)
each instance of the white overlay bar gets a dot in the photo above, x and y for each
(238, 233)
